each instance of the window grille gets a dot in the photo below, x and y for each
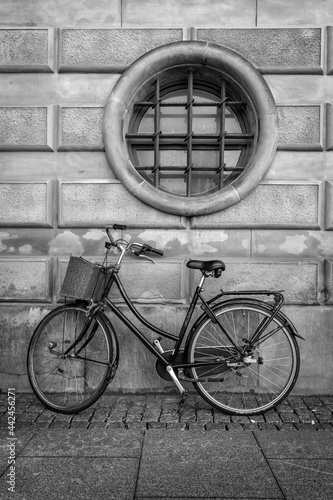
(212, 159)
(190, 128)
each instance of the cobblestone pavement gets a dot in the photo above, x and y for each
(165, 411)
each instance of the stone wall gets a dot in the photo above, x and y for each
(59, 61)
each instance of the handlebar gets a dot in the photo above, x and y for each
(145, 248)
(141, 248)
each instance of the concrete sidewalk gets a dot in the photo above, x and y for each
(151, 447)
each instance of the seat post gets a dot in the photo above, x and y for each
(202, 279)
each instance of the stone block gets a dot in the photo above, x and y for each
(295, 13)
(329, 205)
(302, 281)
(189, 13)
(330, 50)
(110, 50)
(67, 89)
(27, 49)
(299, 165)
(144, 281)
(81, 129)
(272, 50)
(301, 127)
(328, 273)
(98, 204)
(282, 205)
(329, 127)
(26, 204)
(61, 13)
(26, 128)
(300, 89)
(315, 325)
(181, 244)
(17, 324)
(288, 244)
(25, 279)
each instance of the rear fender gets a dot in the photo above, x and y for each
(254, 302)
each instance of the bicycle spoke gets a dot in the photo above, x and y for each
(247, 383)
(69, 383)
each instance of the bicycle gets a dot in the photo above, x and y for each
(241, 354)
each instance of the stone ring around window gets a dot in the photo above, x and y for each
(234, 155)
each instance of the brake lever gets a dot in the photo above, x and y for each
(145, 257)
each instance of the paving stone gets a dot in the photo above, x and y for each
(286, 427)
(307, 444)
(69, 478)
(156, 425)
(324, 427)
(188, 474)
(216, 426)
(305, 479)
(221, 417)
(85, 442)
(22, 437)
(289, 418)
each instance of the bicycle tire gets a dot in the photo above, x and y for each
(72, 383)
(250, 388)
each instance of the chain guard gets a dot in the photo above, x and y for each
(161, 369)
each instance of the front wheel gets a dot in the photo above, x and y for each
(243, 379)
(68, 370)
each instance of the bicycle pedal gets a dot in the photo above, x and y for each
(183, 397)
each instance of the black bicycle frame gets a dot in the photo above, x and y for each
(178, 340)
(114, 278)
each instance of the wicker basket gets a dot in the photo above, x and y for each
(83, 280)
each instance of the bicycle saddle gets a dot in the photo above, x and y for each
(208, 265)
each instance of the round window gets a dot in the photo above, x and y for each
(190, 128)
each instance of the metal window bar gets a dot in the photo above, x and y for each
(157, 133)
(150, 104)
(232, 139)
(193, 141)
(221, 138)
(188, 138)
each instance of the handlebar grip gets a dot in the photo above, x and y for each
(159, 252)
(120, 227)
(154, 250)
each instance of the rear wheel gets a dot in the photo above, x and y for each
(71, 381)
(251, 379)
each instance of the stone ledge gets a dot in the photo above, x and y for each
(27, 50)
